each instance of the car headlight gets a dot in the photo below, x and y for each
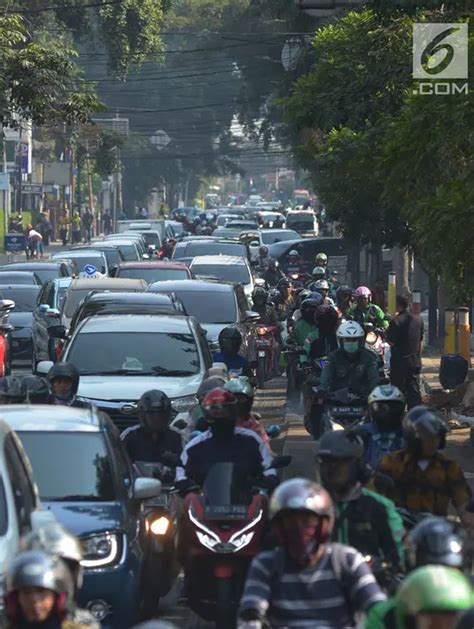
(103, 549)
(184, 404)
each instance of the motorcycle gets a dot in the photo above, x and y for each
(298, 279)
(374, 341)
(5, 337)
(341, 410)
(312, 409)
(224, 523)
(161, 523)
(266, 347)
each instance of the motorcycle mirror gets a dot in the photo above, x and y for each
(282, 461)
(57, 331)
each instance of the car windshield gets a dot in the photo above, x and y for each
(47, 274)
(83, 260)
(152, 274)
(25, 300)
(224, 272)
(268, 238)
(135, 353)
(227, 232)
(151, 238)
(54, 455)
(196, 304)
(210, 248)
(17, 277)
(128, 251)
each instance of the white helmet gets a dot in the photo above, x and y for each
(386, 393)
(350, 336)
(318, 270)
(321, 285)
(387, 407)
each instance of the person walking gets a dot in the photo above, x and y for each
(76, 227)
(405, 335)
(87, 220)
(107, 222)
(64, 223)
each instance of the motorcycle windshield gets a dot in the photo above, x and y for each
(224, 485)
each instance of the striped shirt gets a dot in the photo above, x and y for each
(314, 597)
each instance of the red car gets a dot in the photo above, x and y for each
(154, 271)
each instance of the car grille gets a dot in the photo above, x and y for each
(122, 412)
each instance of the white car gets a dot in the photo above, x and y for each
(20, 507)
(224, 268)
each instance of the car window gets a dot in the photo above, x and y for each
(60, 291)
(206, 352)
(54, 455)
(135, 353)
(25, 300)
(268, 238)
(43, 294)
(23, 491)
(122, 460)
(209, 248)
(96, 260)
(151, 274)
(224, 272)
(72, 299)
(196, 304)
(242, 301)
(3, 509)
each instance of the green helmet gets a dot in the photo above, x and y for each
(240, 385)
(434, 589)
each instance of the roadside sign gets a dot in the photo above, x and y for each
(4, 181)
(14, 243)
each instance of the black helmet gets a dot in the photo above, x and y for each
(65, 370)
(285, 281)
(335, 446)
(344, 291)
(154, 401)
(340, 444)
(37, 390)
(434, 541)
(308, 308)
(208, 384)
(327, 318)
(423, 421)
(275, 296)
(259, 296)
(35, 568)
(12, 390)
(230, 339)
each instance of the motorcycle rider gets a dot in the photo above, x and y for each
(197, 420)
(365, 312)
(152, 439)
(344, 299)
(54, 539)
(272, 274)
(230, 342)
(350, 366)
(321, 260)
(39, 590)
(423, 478)
(364, 519)
(431, 597)
(63, 380)
(433, 541)
(305, 325)
(12, 390)
(294, 263)
(244, 393)
(223, 442)
(383, 433)
(263, 259)
(287, 305)
(322, 340)
(307, 581)
(322, 287)
(318, 273)
(267, 312)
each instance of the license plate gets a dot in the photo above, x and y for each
(225, 512)
(348, 410)
(261, 354)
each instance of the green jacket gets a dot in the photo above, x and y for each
(360, 376)
(362, 315)
(382, 615)
(300, 331)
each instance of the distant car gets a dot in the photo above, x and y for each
(187, 250)
(112, 253)
(256, 238)
(119, 357)
(305, 222)
(128, 248)
(269, 218)
(20, 507)
(46, 270)
(25, 297)
(78, 289)
(229, 308)
(241, 224)
(98, 304)
(174, 229)
(225, 268)
(86, 480)
(83, 258)
(154, 271)
(45, 315)
(224, 219)
(135, 237)
(228, 232)
(151, 237)
(19, 277)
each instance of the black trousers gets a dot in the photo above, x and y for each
(407, 378)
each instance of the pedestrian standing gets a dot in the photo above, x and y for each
(378, 295)
(64, 223)
(405, 335)
(87, 220)
(107, 222)
(76, 227)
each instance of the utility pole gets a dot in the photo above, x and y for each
(19, 173)
(6, 193)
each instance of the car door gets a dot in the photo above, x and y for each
(246, 328)
(41, 322)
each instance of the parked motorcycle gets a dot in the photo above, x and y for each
(266, 348)
(225, 524)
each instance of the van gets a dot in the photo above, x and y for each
(303, 221)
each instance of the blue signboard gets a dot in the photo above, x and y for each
(14, 243)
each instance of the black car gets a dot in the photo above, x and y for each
(215, 305)
(96, 304)
(45, 270)
(25, 298)
(19, 277)
(189, 249)
(45, 316)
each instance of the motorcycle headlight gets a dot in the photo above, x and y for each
(103, 549)
(157, 526)
(184, 404)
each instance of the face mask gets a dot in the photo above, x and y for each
(351, 347)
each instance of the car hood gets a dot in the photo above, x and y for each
(85, 518)
(132, 387)
(20, 320)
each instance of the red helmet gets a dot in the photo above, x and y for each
(219, 404)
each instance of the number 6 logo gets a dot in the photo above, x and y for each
(440, 50)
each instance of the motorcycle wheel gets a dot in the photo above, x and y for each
(261, 371)
(314, 423)
(225, 604)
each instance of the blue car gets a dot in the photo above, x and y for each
(85, 477)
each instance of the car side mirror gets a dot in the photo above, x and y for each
(6, 305)
(43, 307)
(57, 331)
(44, 366)
(146, 488)
(52, 312)
(113, 271)
(145, 256)
(251, 316)
(5, 328)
